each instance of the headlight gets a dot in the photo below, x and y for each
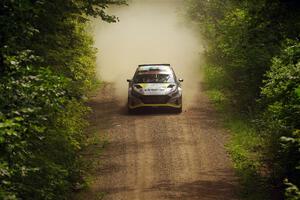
(174, 92)
(136, 90)
(137, 87)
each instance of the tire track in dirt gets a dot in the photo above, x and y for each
(160, 155)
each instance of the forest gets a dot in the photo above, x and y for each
(47, 65)
(47, 71)
(253, 74)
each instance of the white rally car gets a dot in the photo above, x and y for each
(154, 85)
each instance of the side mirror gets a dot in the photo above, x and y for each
(129, 80)
(180, 80)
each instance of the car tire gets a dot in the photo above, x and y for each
(129, 110)
(178, 110)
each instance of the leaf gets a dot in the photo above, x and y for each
(297, 91)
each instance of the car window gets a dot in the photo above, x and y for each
(160, 68)
(154, 78)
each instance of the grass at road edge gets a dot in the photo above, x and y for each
(244, 148)
(91, 160)
(95, 144)
(245, 144)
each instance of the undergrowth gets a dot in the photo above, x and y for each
(245, 143)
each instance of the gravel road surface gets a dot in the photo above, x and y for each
(159, 155)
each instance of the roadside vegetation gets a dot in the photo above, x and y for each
(252, 74)
(47, 68)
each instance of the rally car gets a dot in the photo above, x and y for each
(154, 85)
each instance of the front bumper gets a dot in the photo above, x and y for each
(154, 101)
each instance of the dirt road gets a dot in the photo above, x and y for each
(159, 155)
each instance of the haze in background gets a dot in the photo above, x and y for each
(149, 31)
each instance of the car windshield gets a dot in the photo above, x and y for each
(154, 78)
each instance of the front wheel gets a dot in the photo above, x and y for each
(129, 110)
(178, 110)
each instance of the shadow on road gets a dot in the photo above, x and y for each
(149, 111)
(200, 189)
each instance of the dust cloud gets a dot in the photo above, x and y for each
(149, 31)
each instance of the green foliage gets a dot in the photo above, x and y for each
(252, 52)
(215, 82)
(47, 68)
(292, 192)
(39, 132)
(245, 150)
(242, 37)
(281, 118)
(245, 144)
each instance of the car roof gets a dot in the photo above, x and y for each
(154, 64)
(154, 69)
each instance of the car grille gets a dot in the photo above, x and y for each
(155, 99)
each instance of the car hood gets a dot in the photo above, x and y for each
(154, 88)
